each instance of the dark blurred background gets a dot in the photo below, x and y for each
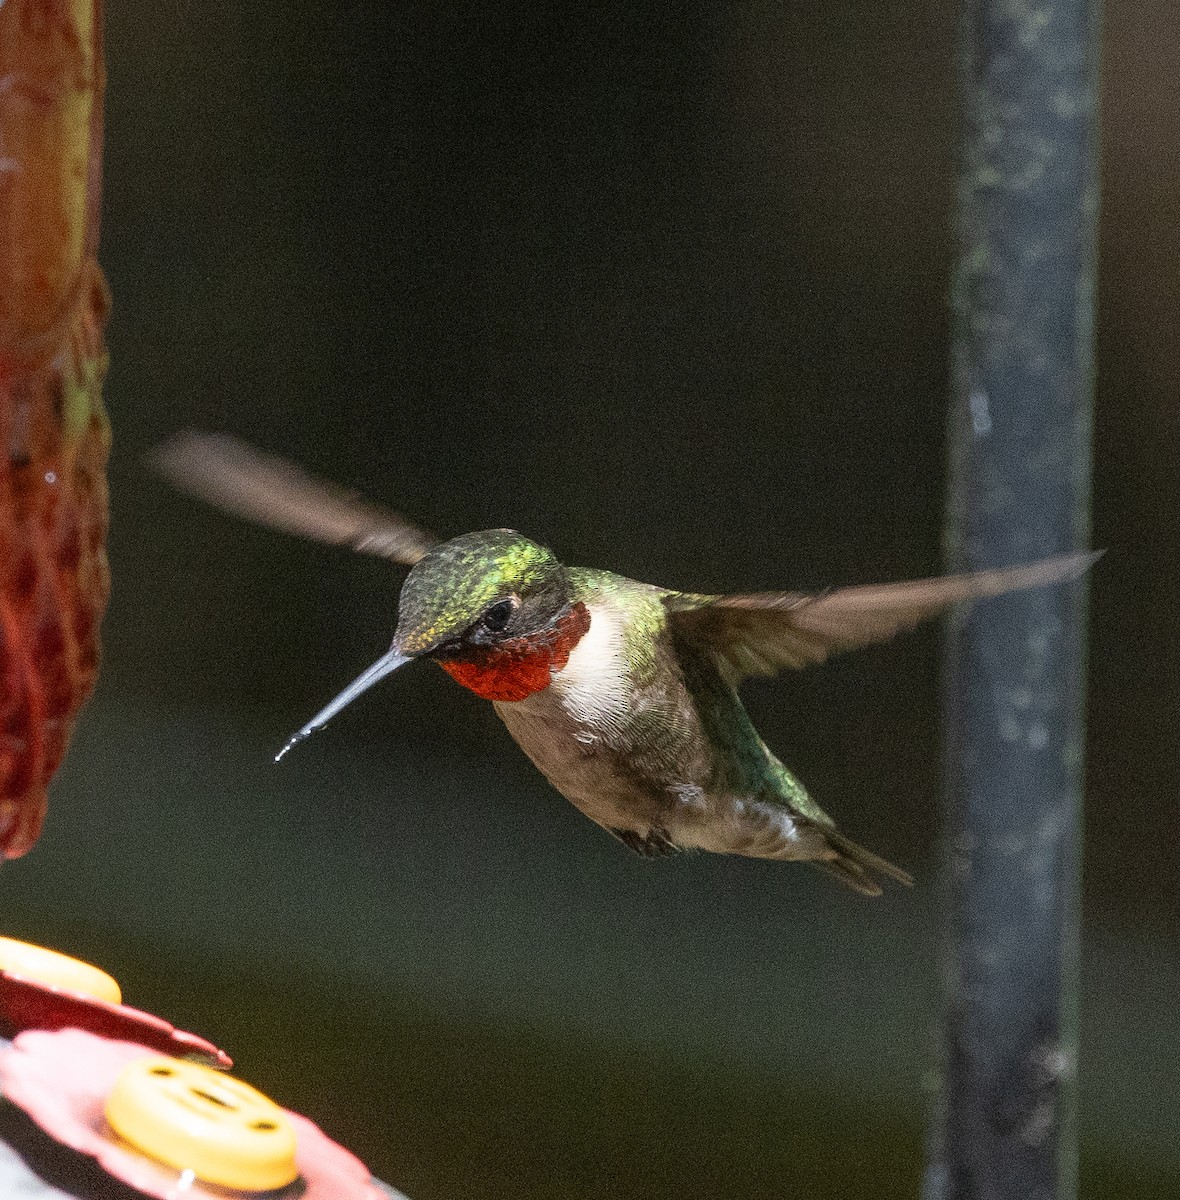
(666, 287)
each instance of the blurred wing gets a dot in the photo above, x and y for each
(242, 481)
(762, 633)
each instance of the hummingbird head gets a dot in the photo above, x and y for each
(493, 609)
(477, 591)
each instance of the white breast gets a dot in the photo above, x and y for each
(562, 728)
(593, 686)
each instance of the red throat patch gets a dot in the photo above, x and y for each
(520, 666)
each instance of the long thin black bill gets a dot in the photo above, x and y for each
(362, 683)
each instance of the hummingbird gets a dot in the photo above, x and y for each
(624, 694)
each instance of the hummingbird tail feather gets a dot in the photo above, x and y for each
(852, 865)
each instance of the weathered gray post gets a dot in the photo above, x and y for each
(1015, 681)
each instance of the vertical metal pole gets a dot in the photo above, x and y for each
(1020, 471)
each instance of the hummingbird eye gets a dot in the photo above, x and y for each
(496, 619)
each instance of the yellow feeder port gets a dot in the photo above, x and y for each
(204, 1121)
(57, 970)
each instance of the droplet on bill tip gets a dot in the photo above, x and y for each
(295, 739)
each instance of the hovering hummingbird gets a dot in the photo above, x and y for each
(622, 693)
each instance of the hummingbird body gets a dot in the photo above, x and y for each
(623, 694)
(642, 735)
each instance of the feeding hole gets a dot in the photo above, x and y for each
(263, 1126)
(212, 1098)
(162, 1070)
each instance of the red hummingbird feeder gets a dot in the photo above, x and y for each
(54, 303)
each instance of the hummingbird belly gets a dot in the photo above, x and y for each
(579, 762)
(618, 743)
(630, 745)
(603, 782)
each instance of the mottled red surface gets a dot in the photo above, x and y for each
(519, 667)
(54, 435)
